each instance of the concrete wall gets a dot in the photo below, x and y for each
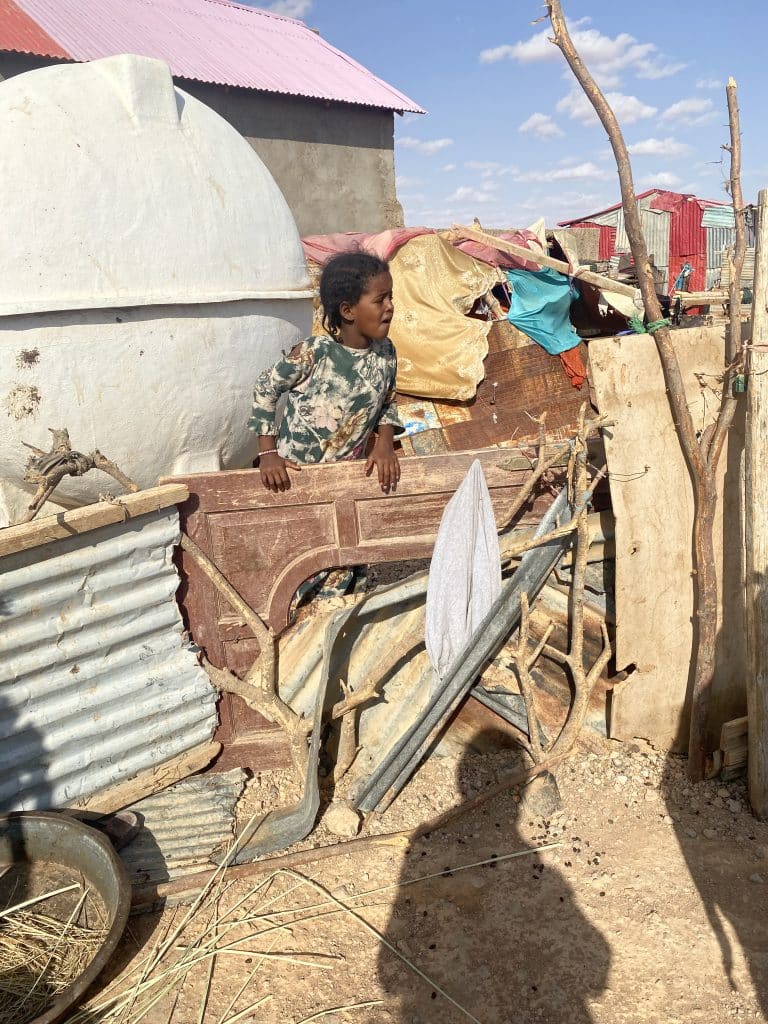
(333, 162)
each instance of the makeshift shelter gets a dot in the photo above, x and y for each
(678, 228)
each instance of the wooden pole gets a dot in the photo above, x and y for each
(756, 467)
(606, 284)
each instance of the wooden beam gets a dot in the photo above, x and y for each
(89, 517)
(701, 298)
(600, 281)
(756, 520)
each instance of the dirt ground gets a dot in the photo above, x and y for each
(650, 907)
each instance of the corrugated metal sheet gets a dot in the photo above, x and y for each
(21, 33)
(718, 238)
(209, 41)
(183, 826)
(717, 217)
(747, 271)
(656, 225)
(95, 684)
(607, 241)
(686, 233)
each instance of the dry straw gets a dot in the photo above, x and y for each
(208, 934)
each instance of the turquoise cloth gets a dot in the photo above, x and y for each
(541, 303)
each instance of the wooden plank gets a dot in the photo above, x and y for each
(733, 731)
(735, 756)
(90, 517)
(605, 284)
(529, 382)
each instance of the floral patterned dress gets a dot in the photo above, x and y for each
(335, 398)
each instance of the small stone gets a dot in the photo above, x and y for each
(761, 852)
(342, 820)
(709, 833)
(668, 820)
(734, 806)
(718, 802)
(621, 780)
(757, 879)
(691, 832)
(723, 792)
(650, 794)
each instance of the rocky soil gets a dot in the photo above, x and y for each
(624, 896)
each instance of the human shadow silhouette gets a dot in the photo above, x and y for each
(505, 940)
(724, 851)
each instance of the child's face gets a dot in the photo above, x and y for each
(372, 313)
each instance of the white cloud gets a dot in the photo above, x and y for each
(540, 125)
(575, 172)
(659, 147)
(658, 68)
(627, 109)
(448, 167)
(661, 179)
(427, 147)
(709, 83)
(290, 8)
(605, 57)
(488, 168)
(474, 195)
(693, 111)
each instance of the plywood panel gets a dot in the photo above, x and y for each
(653, 506)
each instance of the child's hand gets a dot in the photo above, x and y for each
(274, 472)
(385, 460)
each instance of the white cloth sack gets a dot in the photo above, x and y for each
(465, 573)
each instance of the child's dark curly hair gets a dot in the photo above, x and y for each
(344, 279)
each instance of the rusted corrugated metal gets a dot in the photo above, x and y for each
(22, 34)
(211, 41)
(95, 682)
(183, 826)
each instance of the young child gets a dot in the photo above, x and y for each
(339, 386)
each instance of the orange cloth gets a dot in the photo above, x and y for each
(574, 366)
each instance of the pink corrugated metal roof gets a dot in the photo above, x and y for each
(205, 40)
(19, 32)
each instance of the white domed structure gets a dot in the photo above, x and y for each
(150, 269)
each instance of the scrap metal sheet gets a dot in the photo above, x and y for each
(95, 683)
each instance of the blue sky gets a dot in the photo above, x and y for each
(508, 136)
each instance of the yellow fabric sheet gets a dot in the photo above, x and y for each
(440, 351)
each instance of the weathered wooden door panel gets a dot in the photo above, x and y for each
(267, 544)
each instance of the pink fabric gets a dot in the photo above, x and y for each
(496, 258)
(320, 248)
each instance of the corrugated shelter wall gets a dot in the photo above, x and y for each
(607, 243)
(747, 271)
(688, 242)
(95, 683)
(718, 238)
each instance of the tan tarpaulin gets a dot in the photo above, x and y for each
(653, 505)
(440, 351)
